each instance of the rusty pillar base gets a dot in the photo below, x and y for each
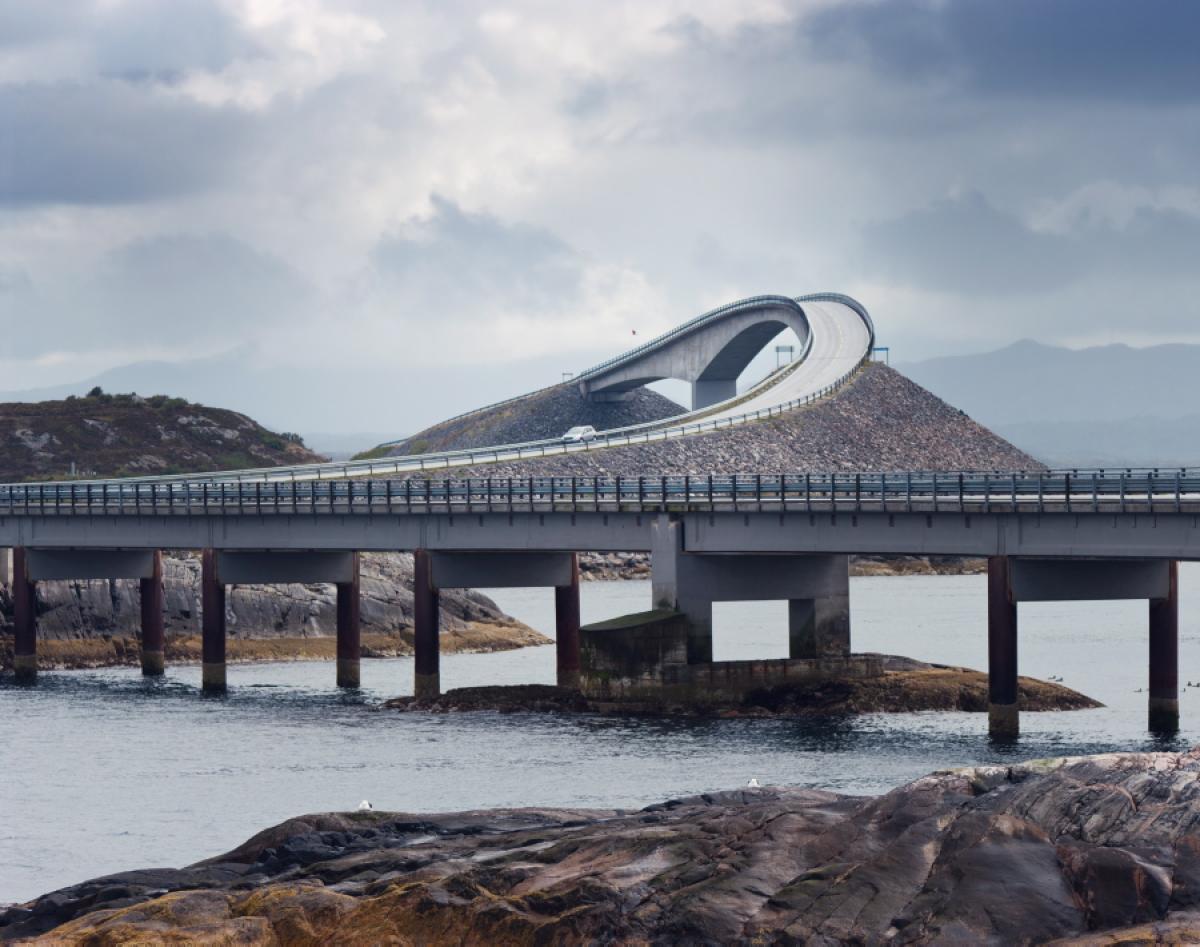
(212, 677)
(25, 668)
(427, 686)
(154, 663)
(1004, 721)
(1164, 715)
(349, 672)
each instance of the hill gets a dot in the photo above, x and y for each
(881, 421)
(104, 435)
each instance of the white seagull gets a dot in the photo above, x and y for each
(365, 806)
(753, 784)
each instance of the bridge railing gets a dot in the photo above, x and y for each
(1064, 491)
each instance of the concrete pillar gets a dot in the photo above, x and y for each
(6, 565)
(1003, 720)
(153, 656)
(425, 628)
(817, 588)
(212, 606)
(1164, 658)
(24, 596)
(712, 391)
(819, 627)
(566, 628)
(349, 651)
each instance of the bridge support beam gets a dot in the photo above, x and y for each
(153, 644)
(566, 628)
(1164, 657)
(714, 391)
(816, 587)
(426, 644)
(212, 607)
(349, 649)
(24, 596)
(1003, 717)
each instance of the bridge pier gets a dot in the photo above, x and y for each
(212, 608)
(1012, 580)
(1003, 716)
(153, 645)
(816, 588)
(426, 644)
(349, 648)
(712, 391)
(24, 596)
(1163, 710)
(566, 628)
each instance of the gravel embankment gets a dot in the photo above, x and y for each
(882, 421)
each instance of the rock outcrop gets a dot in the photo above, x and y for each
(906, 686)
(1092, 850)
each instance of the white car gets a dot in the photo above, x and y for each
(579, 435)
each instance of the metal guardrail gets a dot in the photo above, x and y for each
(1065, 491)
(662, 429)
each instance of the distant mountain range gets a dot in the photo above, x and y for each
(1109, 405)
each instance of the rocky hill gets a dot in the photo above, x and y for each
(1091, 850)
(544, 414)
(881, 421)
(103, 435)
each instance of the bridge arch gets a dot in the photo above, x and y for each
(710, 352)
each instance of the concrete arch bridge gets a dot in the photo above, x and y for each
(712, 350)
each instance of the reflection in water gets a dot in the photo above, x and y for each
(111, 771)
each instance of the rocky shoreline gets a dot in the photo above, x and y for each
(125, 651)
(1087, 850)
(95, 623)
(907, 686)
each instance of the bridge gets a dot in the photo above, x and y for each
(1062, 535)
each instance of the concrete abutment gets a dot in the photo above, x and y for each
(816, 588)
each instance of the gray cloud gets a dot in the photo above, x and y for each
(110, 142)
(478, 262)
(599, 170)
(1108, 50)
(966, 245)
(172, 290)
(133, 38)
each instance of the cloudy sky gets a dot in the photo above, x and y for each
(377, 213)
